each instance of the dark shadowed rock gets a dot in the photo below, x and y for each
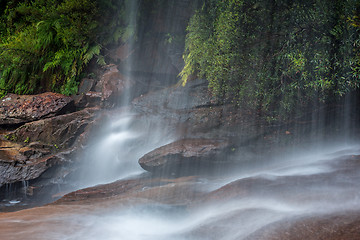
(186, 156)
(86, 97)
(16, 170)
(89, 99)
(193, 95)
(16, 109)
(121, 53)
(192, 112)
(150, 58)
(86, 85)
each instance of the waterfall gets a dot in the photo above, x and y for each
(271, 181)
(114, 154)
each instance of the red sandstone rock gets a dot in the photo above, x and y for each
(336, 226)
(188, 155)
(113, 85)
(59, 131)
(16, 109)
(39, 145)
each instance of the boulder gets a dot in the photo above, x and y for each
(86, 85)
(58, 132)
(188, 111)
(16, 171)
(18, 109)
(35, 147)
(186, 156)
(112, 86)
(88, 99)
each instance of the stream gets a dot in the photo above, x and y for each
(235, 206)
(294, 192)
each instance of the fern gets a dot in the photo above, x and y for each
(95, 50)
(45, 45)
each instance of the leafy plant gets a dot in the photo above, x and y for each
(275, 56)
(46, 45)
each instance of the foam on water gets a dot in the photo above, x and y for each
(114, 154)
(222, 219)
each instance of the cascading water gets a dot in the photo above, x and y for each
(317, 179)
(114, 154)
(288, 187)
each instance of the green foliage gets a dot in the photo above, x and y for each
(46, 44)
(11, 137)
(277, 56)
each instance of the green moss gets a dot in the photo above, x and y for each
(11, 137)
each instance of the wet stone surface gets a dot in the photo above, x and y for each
(18, 109)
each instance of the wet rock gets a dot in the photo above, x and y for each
(185, 157)
(149, 58)
(58, 132)
(112, 85)
(301, 188)
(45, 146)
(88, 99)
(17, 109)
(186, 110)
(121, 53)
(16, 170)
(192, 112)
(335, 226)
(86, 85)
(179, 191)
(193, 95)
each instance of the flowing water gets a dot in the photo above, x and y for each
(114, 155)
(311, 181)
(321, 182)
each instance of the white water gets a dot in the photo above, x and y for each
(223, 219)
(235, 219)
(115, 154)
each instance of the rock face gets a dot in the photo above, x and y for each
(189, 110)
(297, 186)
(187, 156)
(178, 191)
(194, 111)
(344, 225)
(16, 171)
(15, 109)
(37, 146)
(59, 132)
(193, 95)
(121, 53)
(113, 85)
